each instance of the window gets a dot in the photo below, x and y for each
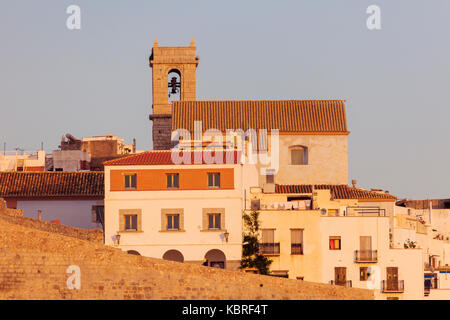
(299, 155)
(173, 180)
(98, 214)
(296, 241)
(270, 178)
(268, 245)
(130, 181)
(214, 180)
(364, 273)
(130, 222)
(335, 243)
(213, 221)
(173, 222)
(172, 219)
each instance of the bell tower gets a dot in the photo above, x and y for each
(173, 79)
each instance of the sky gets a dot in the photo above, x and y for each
(96, 80)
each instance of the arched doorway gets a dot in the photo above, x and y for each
(216, 258)
(173, 255)
(133, 252)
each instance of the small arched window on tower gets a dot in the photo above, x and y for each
(299, 155)
(174, 85)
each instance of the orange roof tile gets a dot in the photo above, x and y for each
(164, 157)
(52, 184)
(289, 116)
(341, 191)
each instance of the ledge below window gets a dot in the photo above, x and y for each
(129, 231)
(213, 230)
(172, 231)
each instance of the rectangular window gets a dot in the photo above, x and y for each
(173, 180)
(363, 273)
(130, 181)
(213, 221)
(98, 214)
(214, 180)
(173, 222)
(299, 155)
(335, 243)
(270, 178)
(296, 241)
(130, 222)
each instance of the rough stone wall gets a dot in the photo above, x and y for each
(33, 265)
(162, 131)
(15, 216)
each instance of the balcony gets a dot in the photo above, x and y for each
(430, 284)
(392, 286)
(270, 249)
(347, 283)
(366, 256)
(296, 248)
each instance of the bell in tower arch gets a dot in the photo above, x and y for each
(174, 85)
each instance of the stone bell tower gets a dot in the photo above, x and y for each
(173, 79)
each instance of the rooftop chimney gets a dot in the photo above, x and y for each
(354, 183)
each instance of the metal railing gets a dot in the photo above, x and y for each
(296, 248)
(366, 256)
(392, 286)
(269, 248)
(366, 211)
(347, 283)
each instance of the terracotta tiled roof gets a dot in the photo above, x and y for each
(51, 184)
(340, 191)
(164, 157)
(295, 116)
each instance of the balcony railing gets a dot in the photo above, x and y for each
(365, 211)
(270, 248)
(393, 286)
(296, 248)
(347, 283)
(370, 256)
(431, 284)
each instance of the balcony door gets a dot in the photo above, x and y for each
(365, 245)
(392, 278)
(340, 275)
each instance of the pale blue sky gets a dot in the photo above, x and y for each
(97, 80)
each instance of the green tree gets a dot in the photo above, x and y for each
(251, 257)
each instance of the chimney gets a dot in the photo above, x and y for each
(39, 215)
(354, 183)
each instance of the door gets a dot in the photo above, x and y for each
(392, 278)
(340, 276)
(365, 245)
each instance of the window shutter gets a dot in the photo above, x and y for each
(134, 181)
(211, 221)
(210, 179)
(217, 222)
(176, 222)
(176, 180)
(217, 184)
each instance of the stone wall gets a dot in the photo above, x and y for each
(33, 265)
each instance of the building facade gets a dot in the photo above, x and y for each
(183, 212)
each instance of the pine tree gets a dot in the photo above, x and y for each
(251, 257)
